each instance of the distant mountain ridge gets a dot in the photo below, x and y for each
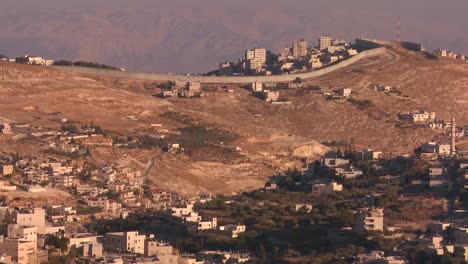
(194, 35)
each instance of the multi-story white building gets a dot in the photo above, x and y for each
(92, 250)
(108, 206)
(258, 53)
(205, 225)
(368, 154)
(271, 96)
(234, 229)
(19, 250)
(194, 87)
(25, 233)
(192, 217)
(99, 202)
(256, 59)
(418, 116)
(156, 248)
(31, 217)
(332, 186)
(332, 160)
(182, 211)
(344, 92)
(257, 87)
(370, 219)
(299, 48)
(325, 42)
(79, 239)
(37, 60)
(315, 63)
(433, 147)
(60, 213)
(125, 242)
(285, 54)
(441, 52)
(6, 169)
(423, 116)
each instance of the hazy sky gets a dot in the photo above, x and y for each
(194, 35)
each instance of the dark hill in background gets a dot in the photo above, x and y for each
(194, 35)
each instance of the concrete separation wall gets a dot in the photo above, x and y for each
(366, 44)
(223, 79)
(412, 46)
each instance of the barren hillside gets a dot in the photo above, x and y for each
(269, 137)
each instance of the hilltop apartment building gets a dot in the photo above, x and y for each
(256, 59)
(325, 42)
(299, 48)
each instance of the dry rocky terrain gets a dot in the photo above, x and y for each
(270, 137)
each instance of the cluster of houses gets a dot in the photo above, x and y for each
(328, 51)
(25, 229)
(420, 116)
(379, 257)
(450, 54)
(446, 127)
(343, 166)
(440, 175)
(298, 57)
(270, 91)
(438, 171)
(436, 239)
(25, 237)
(322, 186)
(125, 183)
(127, 188)
(30, 59)
(188, 215)
(24, 240)
(437, 174)
(433, 149)
(263, 90)
(183, 89)
(120, 191)
(41, 171)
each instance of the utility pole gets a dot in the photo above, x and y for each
(453, 138)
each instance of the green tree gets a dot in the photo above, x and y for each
(297, 80)
(58, 242)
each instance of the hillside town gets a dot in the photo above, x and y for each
(62, 201)
(298, 57)
(450, 54)
(364, 186)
